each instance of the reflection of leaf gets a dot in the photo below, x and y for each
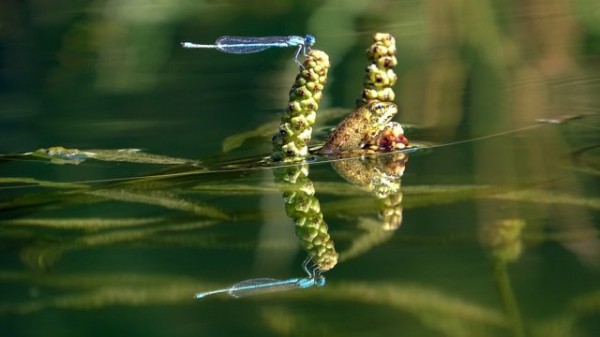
(50, 199)
(42, 183)
(549, 197)
(86, 224)
(136, 234)
(374, 234)
(157, 197)
(162, 199)
(419, 196)
(284, 322)
(44, 254)
(414, 298)
(236, 189)
(98, 291)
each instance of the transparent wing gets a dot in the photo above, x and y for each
(247, 45)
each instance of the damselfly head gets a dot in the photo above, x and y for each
(309, 40)
(320, 281)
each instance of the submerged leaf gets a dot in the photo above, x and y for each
(87, 224)
(42, 183)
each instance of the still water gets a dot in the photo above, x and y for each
(133, 172)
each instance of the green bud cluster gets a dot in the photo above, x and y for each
(304, 208)
(380, 76)
(290, 144)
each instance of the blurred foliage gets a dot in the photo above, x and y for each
(110, 75)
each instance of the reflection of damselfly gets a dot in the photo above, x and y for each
(265, 285)
(247, 45)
